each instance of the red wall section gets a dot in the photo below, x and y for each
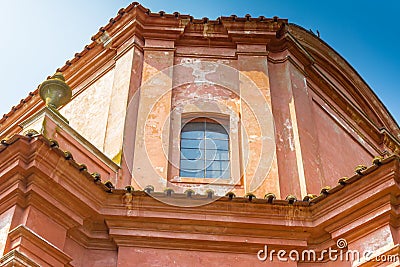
(340, 152)
(165, 257)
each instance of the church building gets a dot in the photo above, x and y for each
(176, 141)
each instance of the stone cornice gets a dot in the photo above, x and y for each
(223, 225)
(92, 238)
(347, 111)
(137, 22)
(15, 258)
(302, 52)
(345, 74)
(390, 142)
(325, 89)
(24, 239)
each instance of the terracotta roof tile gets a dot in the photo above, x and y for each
(268, 198)
(95, 177)
(168, 192)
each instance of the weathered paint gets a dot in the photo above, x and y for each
(298, 118)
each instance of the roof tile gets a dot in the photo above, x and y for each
(269, 198)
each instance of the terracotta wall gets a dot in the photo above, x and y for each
(163, 257)
(299, 158)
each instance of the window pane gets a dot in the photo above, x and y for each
(226, 174)
(217, 144)
(204, 150)
(192, 153)
(217, 165)
(217, 154)
(193, 130)
(192, 143)
(213, 174)
(192, 164)
(218, 174)
(193, 174)
(216, 131)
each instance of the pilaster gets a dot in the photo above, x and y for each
(153, 121)
(261, 172)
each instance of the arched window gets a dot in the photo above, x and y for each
(204, 150)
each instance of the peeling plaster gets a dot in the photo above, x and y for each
(379, 242)
(160, 169)
(88, 112)
(289, 128)
(5, 223)
(199, 70)
(253, 138)
(298, 150)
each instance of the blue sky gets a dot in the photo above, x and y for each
(39, 36)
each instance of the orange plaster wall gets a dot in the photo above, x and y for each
(228, 91)
(88, 112)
